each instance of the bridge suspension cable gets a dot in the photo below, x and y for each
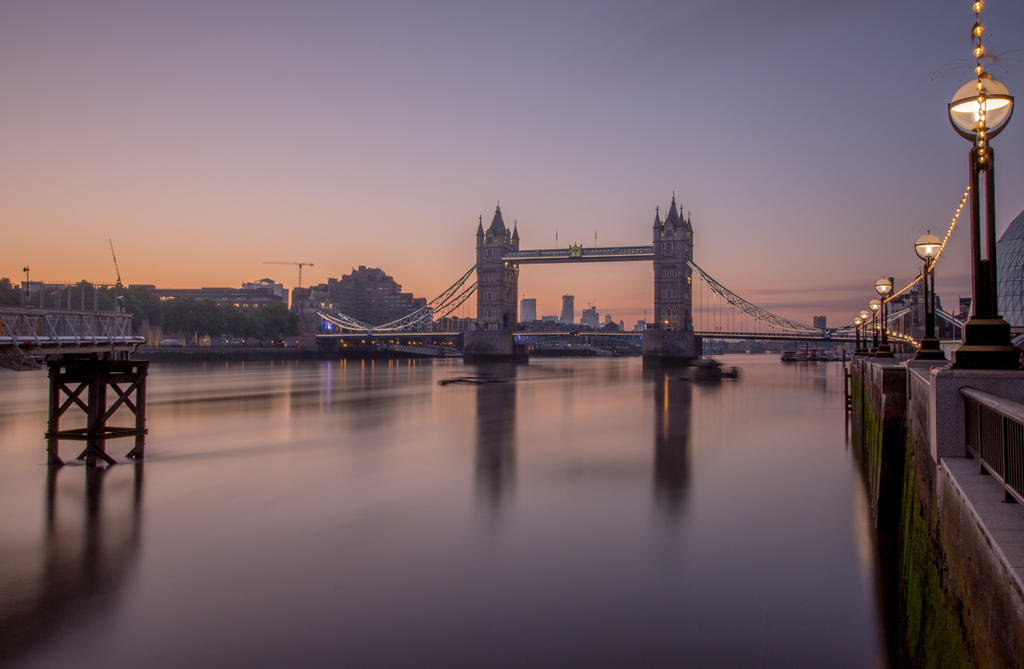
(752, 310)
(450, 299)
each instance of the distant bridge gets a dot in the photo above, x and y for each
(688, 301)
(760, 323)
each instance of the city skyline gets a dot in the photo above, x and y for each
(810, 142)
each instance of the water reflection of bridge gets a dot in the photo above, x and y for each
(496, 413)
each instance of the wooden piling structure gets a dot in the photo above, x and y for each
(70, 378)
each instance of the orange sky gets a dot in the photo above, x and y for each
(205, 141)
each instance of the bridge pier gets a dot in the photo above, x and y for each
(491, 346)
(671, 346)
(70, 378)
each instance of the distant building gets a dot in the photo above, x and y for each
(367, 294)
(640, 326)
(300, 298)
(454, 324)
(965, 302)
(550, 319)
(819, 322)
(528, 309)
(568, 310)
(1010, 270)
(275, 288)
(907, 315)
(54, 295)
(242, 298)
(589, 318)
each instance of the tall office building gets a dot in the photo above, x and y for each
(528, 309)
(819, 322)
(568, 310)
(589, 317)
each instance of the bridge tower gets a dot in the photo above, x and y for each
(497, 282)
(673, 248)
(671, 335)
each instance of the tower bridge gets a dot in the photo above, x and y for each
(498, 257)
(673, 334)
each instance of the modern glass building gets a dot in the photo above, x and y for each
(1010, 277)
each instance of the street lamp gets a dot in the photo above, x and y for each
(856, 328)
(874, 306)
(864, 318)
(979, 111)
(927, 248)
(883, 287)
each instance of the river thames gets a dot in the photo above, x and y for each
(568, 512)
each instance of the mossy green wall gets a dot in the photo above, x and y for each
(924, 618)
(931, 633)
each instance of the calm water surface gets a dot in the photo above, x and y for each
(576, 512)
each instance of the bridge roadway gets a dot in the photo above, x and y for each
(577, 253)
(409, 338)
(29, 335)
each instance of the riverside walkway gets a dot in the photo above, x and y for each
(942, 452)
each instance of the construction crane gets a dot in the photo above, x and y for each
(114, 256)
(300, 265)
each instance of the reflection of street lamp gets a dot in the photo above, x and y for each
(927, 248)
(883, 287)
(874, 306)
(979, 111)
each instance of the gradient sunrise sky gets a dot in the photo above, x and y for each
(808, 138)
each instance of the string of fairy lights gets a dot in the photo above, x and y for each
(979, 70)
(981, 141)
(949, 232)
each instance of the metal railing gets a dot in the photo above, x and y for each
(44, 326)
(27, 334)
(995, 435)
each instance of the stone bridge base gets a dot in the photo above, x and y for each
(671, 346)
(491, 345)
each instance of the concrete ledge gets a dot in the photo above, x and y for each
(983, 539)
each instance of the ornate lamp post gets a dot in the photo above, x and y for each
(883, 287)
(856, 328)
(927, 248)
(864, 318)
(979, 111)
(874, 306)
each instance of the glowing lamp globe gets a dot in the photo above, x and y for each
(883, 286)
(875, 305)
(967, 103)
(927, 246)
